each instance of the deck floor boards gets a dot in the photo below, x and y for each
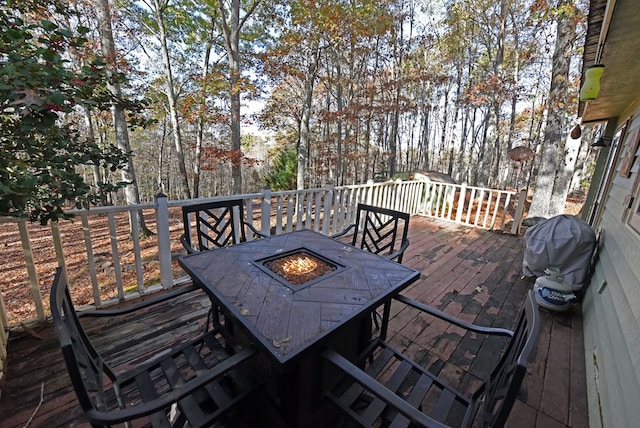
(471, 273)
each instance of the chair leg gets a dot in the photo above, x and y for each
(374, 316)
(209, 319)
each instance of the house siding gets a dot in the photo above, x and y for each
(612, 312)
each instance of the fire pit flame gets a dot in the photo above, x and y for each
(299, 265)
(297, 268)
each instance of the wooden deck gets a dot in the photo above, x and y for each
(471, 273)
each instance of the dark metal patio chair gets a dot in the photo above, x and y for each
(380, 231)
(386, 385)
(194, 383)
(215, 224)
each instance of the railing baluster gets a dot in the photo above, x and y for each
(328, 204)
(470, 207)
(34, 282)
(164, 241)
(279, 207)
(495, 210)
(486, 212)
(307, 210)
(134, 219)
(117, 267)
(479, 209)
(57, 244)
(290, 212)
(432, 197)
(505, 210)
(461, 200)
(317, 211)
(91, 261)
(265, 223)
(299, 208)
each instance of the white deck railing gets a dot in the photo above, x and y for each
(107, 260)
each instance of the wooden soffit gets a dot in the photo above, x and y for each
(612, 39)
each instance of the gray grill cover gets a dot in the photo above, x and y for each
(564, 242)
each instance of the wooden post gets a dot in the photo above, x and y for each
(461, 199)
(134, 218)
(164, 240)
(31, 268)
(517, 219)
(328, 203)
(91, 261)
(265, 216)
(115, 252)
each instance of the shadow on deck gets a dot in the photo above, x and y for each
(471, 273)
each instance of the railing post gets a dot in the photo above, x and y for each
(326, 219)
(164, 240)
(517, 218)
(461, 199)
(265, 216)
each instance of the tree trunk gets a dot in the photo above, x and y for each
(231, 26)
(339, 107)
(200, 124)
(97, 174)
(581, 171)
(556, 120)
(119, 118)
(171, 97)
(303, 150)
(563, 177)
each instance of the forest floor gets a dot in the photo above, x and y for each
(574, 204)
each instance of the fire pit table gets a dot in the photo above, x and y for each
(291, 295)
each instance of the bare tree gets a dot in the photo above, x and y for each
(158, 7)
(556, 119)
(119, 118)
(303, 149)
(231, 26)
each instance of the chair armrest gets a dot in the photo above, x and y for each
(179, 291)
(344, 232)
(396, 254)
(256, 231)
(453, 320)
(189, 248)
(381, 391)
(149, 407)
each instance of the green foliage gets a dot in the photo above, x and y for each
(285, 169)
(39, 150)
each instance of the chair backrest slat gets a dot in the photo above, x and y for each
(380, 230)
(217, 224)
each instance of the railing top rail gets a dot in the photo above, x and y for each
(90, 211)
(466, 186)
(187, 202)
(294, 192)
(179, 203)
